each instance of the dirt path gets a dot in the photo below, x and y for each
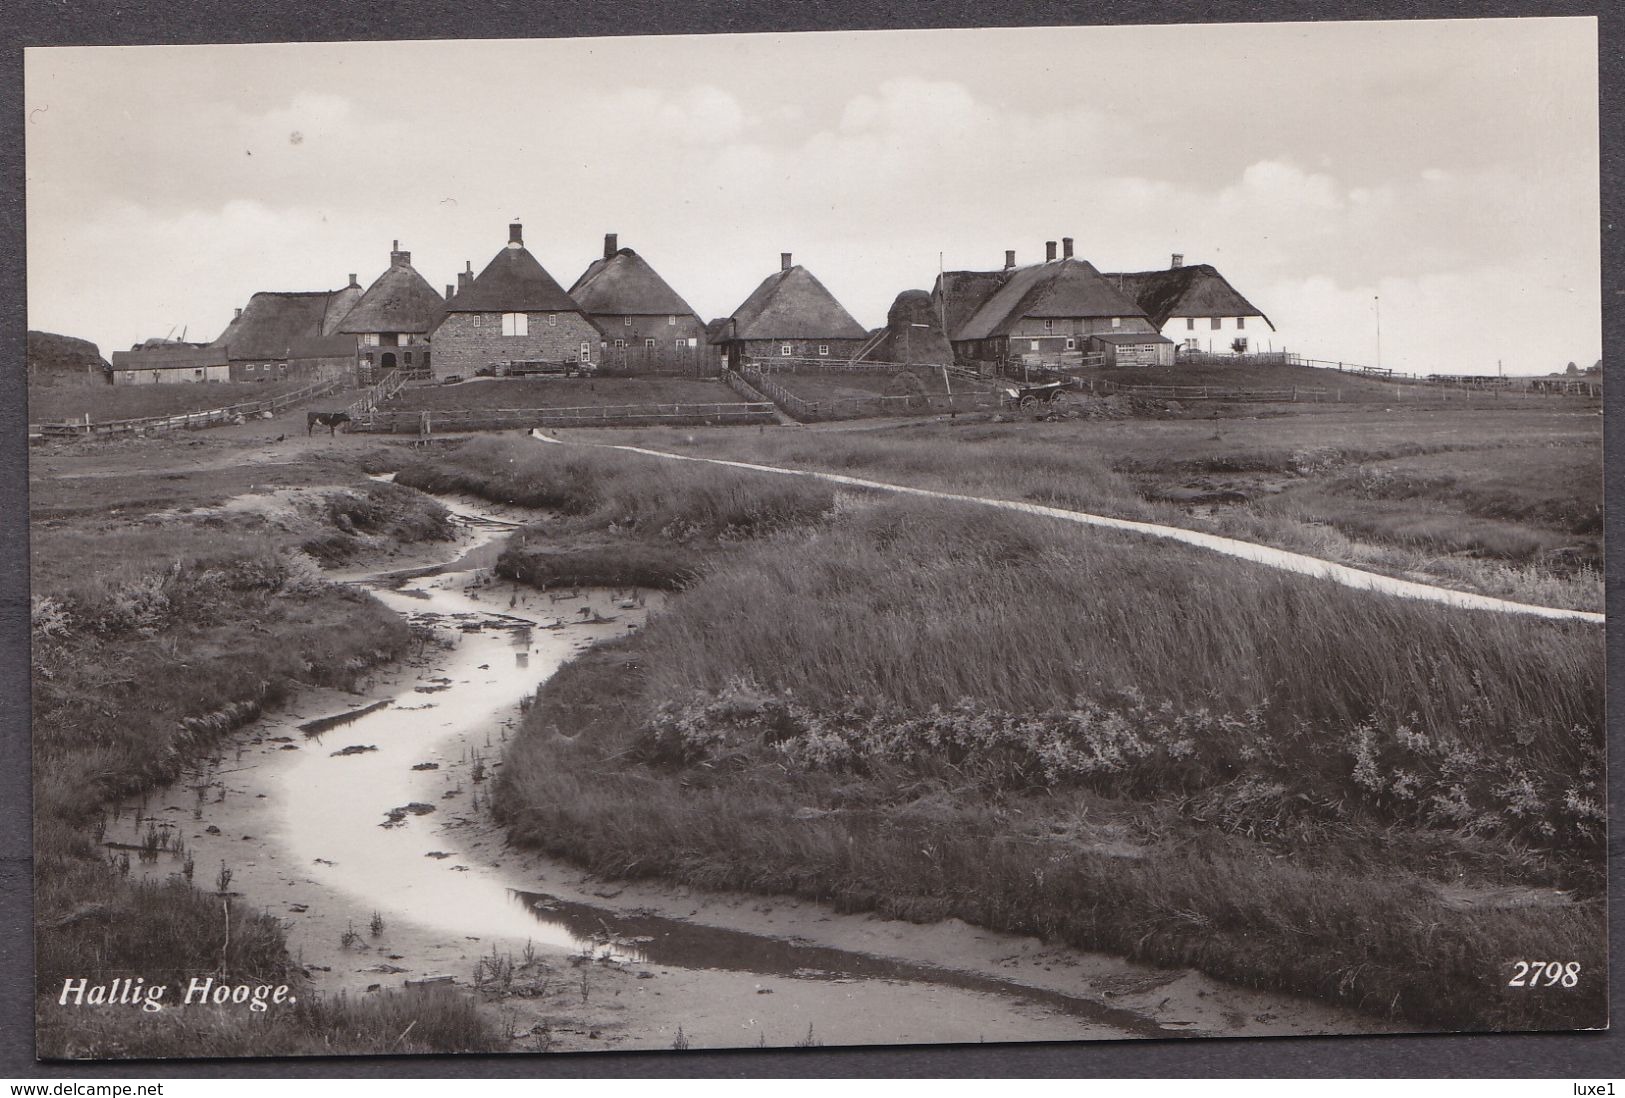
(1282, 559)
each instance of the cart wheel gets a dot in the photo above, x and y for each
(1028, 401)
(1059, 397)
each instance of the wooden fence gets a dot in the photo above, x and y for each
(374, 397)
(425, 423)
(1291, 394)
(213, 417)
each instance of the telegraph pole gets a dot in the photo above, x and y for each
(1378, 300)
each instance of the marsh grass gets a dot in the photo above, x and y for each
(1123, 745)
(141, 665)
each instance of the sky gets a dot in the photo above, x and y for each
(1421, 195)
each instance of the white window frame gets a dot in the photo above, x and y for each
(477, 319)
(1034, 344)
(1071, 344)
(586, 351)
(649, 343)
(680, 343)
(784, 350)
(552, 320)
(671, 322)
(620, 344)
(627, 321)
(823, 349)
(1049, 325)
(516, 324)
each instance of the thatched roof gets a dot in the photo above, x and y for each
(719, 330)
(271, 321)
(792, 304)
(513, 282)
(330, 346)
(170, 356)
(399, 300)
(966, 292)
(1059, 288)
(1196, 290)
(623, 284)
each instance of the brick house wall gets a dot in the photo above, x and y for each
(462, 348)
(627, 339)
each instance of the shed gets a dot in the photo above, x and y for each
(1132, 348)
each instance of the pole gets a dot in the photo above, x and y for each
(1378, 300)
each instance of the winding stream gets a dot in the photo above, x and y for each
(352, 808)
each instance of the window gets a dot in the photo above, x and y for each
(407, 355)
(693, 341)
(1035, 344)
(671, 322)
(1241, 322)
(784, 349)
(1049, 325)
(368, 355)
(1240, 345)
(823, 349)
(129, 375)
(1193, 345)
(628, 322)
(1190, 324)
(1117, 322)
(586, 351)
(1071, 344)
(477, 320)
(1216, 323)
(515, 324)
(371, 338)
(553, 320)
(620, 344)
(649, 344)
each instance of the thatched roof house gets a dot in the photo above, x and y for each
(791, 314)
(1197, 307)
(1044, 310)
(512, 311)
(647, 325)
(274, 319)
(399, 302)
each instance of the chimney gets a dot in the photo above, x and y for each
(1066, 247)
(398, 258)
(451, 291)
(611, 245)
(516, 236)
(353, 282)
(238, 314)
(466, 276)
(1009, 258)
(1178, 260)
(784, 261)
(1049, 251)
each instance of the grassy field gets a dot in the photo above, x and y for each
(1339, 386)
(1500, 501)
(935, 712)
(55, 404)
(836, 384)
(562, 393)
(158, 625)
(622, 520)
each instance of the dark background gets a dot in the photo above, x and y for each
(43, 22)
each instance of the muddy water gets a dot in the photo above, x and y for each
(357, 810)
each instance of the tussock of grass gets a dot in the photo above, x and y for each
(622, 520)
(1120, 745)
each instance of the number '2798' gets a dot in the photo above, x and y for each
(1545, 974)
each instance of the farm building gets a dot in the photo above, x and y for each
(512, 312)
(647, 326)
(790, 315)
(391, 322)
(165, 362)
(1131, 348)
(1196, 308)
(259, 342)
(1044, 312)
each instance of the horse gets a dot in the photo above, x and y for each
(331, 420)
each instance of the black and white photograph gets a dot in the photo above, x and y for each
(813, 540)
